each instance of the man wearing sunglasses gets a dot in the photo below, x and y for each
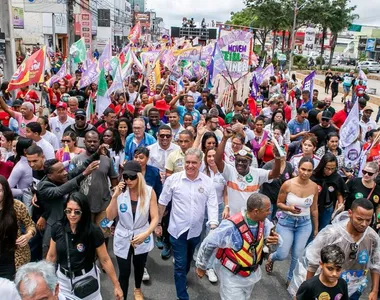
(80, 127)
(350, 230)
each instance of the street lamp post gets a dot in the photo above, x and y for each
(293, 36)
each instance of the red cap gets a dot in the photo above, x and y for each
(61, 104)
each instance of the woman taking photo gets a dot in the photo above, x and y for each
(331, 186)
(69, 138)
(308, 147)
(134, 202)
(298, 202)
(278, 117)
(77, 238)
(14, 247)
(265, 153)
(111, 138)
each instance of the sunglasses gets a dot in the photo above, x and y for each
(66, 141)
(77, 212)
(130, 177)
(367, 173)
(168, 136)
(325, 120)
(354, 250)
(80, 118)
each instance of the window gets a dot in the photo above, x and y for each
(104, 18)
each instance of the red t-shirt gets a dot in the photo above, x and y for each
(4, 118)
(374, 154)
(339, 118)
(6, 168)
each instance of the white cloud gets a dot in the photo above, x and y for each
(173, 11)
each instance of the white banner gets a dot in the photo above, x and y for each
(46, 6)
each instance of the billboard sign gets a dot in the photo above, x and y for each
(47, 6)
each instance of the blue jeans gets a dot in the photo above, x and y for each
(294, 232)
(355, 296)
(273, 211)
(324, 218)
(183, 250)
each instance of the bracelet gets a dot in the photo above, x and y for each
(277, 157)
(226, 206)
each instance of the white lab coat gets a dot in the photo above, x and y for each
(127, 228)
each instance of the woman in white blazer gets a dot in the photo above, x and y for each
(134, 203)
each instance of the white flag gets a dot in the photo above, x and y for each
(350, 129)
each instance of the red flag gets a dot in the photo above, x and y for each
(252, 106)
(30, 71)
(122, 58)
(135, 33)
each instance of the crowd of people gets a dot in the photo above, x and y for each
(172, 169)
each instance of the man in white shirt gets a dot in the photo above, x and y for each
(193, 91)
(159, 151)
(59, 123)
(366, 123)
(33, 131)
(242, 179)
(190, 192)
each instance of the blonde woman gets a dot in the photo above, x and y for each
(133, 202)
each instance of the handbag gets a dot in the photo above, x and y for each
(84, 287)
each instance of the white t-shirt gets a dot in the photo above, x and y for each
(47, 148)
(52, 139)
(132, 97)
(239, 188)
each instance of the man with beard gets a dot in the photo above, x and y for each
(153, 122)
(80, 127)
(96, 186)
(365, 122)
(187, 108)
(360, 243)
(328, 106)
(323, 128)
(242, 180)
(54, 188)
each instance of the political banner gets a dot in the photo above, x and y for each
(308, 83)
(350, 128)
(236, 49)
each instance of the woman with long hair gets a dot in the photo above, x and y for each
(112, 138)
(260, 135)
(308, 146)
(75, 235)
(278, 117)
(331, 187)
(207, 142)
(69, 138)
(124, 128)
(298, 202)
(21, 176)
(135, 203)
(14, 219)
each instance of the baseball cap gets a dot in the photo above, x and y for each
(368, 108)
(245, 153)
(61, 104)
(80, 112)
(131, 168)
(16, 103)
(326, 115)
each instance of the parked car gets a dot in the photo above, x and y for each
(370, 66)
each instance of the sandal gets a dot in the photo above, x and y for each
(269, 267)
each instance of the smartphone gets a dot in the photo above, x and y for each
(297, 208)
(273, 230)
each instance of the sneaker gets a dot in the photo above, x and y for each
(211, 276)
(146, 276)
(166, 253)
(159, 243)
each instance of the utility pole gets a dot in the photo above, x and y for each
(53, 32)
(70, 30)
(7, 27)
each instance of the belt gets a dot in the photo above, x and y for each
(76, 273)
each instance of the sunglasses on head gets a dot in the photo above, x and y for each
(130, 177)
(77, 212)
(367, 173)
(168, 136)
(80, 118)
(354, 250)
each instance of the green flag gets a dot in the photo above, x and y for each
(78, 51)
(102, 98)
(114, 64)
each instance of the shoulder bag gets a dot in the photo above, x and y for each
(84, 287)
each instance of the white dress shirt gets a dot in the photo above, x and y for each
(189, 200)
(158, 156)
